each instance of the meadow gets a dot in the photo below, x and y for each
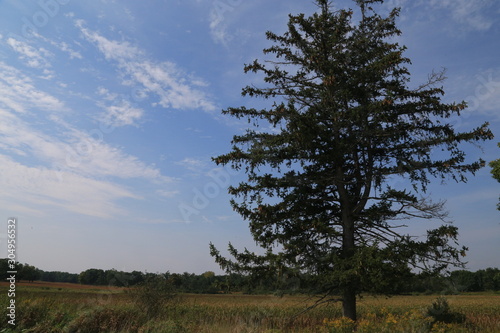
(51, 307)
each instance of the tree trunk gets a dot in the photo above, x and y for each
(349, 303)
(348, 251)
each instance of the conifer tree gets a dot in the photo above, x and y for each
(320, 163)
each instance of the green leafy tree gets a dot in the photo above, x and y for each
(495, 171)
(30, 273)
(93, 276)
(320, 160)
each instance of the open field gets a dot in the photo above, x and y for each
(50, 307)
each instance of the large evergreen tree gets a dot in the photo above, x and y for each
(321, 160)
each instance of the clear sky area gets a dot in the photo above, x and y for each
(110, 113)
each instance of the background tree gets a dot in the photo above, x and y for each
(29, 273)
(93, 276)
(495, 171)
(321, 159)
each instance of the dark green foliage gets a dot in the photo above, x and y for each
(440, 311)
(93, 276)
(482, 280)
(25, 272)
(111, 277)
(59, 277)
(321, 161)
(495, 171)
(208, 283)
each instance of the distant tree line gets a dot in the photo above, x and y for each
(26, 272)
(210, 283)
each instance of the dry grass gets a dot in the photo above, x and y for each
(55, 308)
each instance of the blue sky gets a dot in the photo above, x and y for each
(110, 114)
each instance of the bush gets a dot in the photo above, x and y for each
(440, 312)
(153, 295)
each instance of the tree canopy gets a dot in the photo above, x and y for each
(495, 171)
(320, 162)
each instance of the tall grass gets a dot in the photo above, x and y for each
(119, 311)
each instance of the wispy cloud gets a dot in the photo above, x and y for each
(18, 92)
(96, 158)
(171, 85)
(62, 46)
(42, 188)
(469, 14)
(112, 50)
(219, 20)
(218, 28)
(77, 151)
(67, 168)
(35, 58)
(486, 96)
(192, 164)
(481, 91)
(120, 112)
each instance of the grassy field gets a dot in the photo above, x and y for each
(46, 307)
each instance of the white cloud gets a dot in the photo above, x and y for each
(486, 96)
(218, 29)
(63, 46)
(105, 92)
(66, 48)
(192, 164)
(121, 113)
(65, 169)
(91, 156)
(41, 187)
(35, 58)
(170, 84)
(112, 50)
(79, 152)
(18, 93)
(481, 91)
(219, 16)
(174, 88)
(470, 14)
(70, 149)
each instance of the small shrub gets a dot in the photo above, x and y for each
(440, 312)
